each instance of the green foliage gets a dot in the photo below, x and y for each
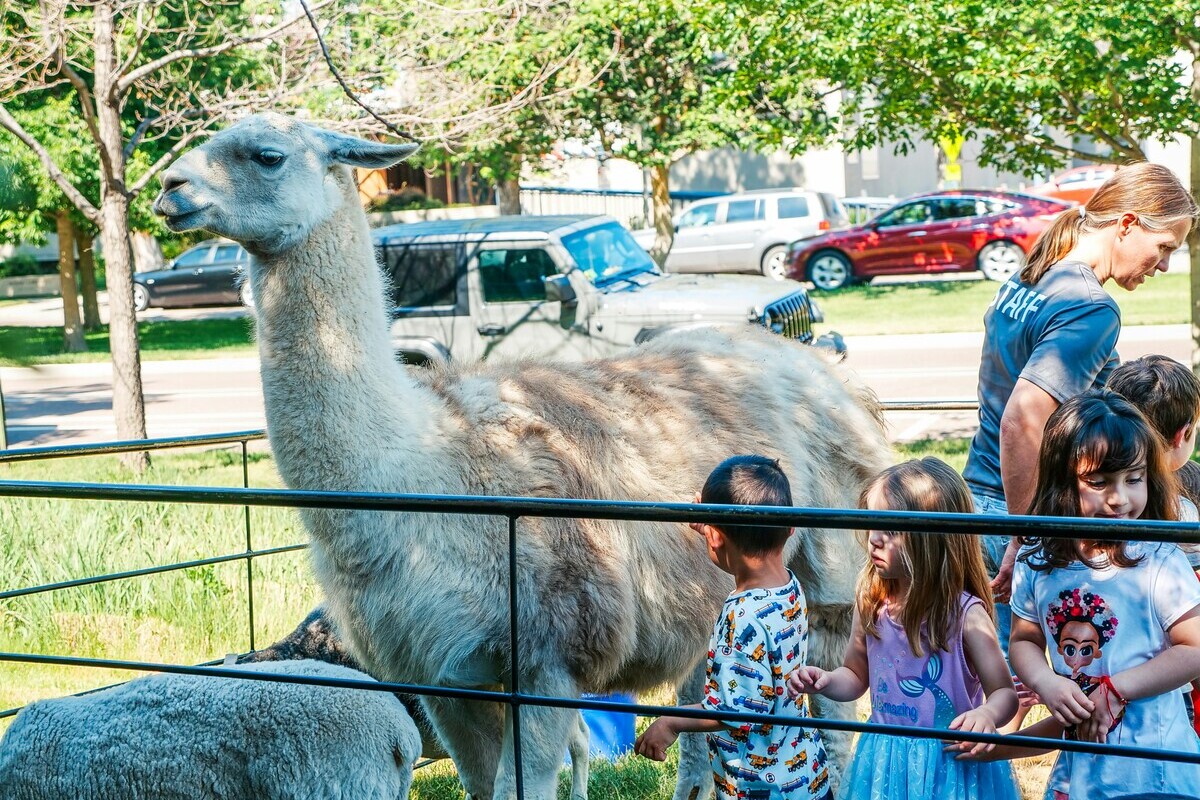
(404, 200)
(1014, 74)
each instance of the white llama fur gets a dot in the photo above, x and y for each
(179, 737)
(422, 598)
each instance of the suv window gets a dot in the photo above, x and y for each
(195, 257)
(908, 214)
(792, 207)
(509, 276)
(744, 211)
(696, 216)
(606, 251)
(422, 275)
(834, 212)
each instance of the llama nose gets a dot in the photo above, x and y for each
(172, 182)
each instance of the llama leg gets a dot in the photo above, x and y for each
(472, 733)
(695, 780)
(545, 733)
(579, 748)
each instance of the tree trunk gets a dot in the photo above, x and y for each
(508, 193)
(73, 340)
(129, 407)
(87, 279)
(147, 252)
(660, 213)
(3, 424)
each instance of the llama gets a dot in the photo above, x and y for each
(603, 605)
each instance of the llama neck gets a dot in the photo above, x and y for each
(331, 384)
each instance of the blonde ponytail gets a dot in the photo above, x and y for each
(1151, 191)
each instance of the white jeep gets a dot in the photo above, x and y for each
(572, 287)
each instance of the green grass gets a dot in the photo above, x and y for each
(953, 306)
(204, 338)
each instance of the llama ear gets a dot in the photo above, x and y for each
(364, 153)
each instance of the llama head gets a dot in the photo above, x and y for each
(267, 181)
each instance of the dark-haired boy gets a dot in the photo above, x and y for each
(760, 636)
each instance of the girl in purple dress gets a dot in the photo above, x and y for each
(924, 644)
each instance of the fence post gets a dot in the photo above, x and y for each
(514, 684)
(249, 549)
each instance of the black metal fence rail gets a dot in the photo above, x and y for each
(513, 508)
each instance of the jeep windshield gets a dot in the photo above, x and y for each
(607, 253)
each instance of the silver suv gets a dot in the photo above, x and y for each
(747, 232)
(571, 287)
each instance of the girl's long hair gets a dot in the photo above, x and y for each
(942, 566)
(1097, 431)
(1149, 190)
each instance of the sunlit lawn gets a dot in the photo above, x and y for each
(160, 340)
(958, 305)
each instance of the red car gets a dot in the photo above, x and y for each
(1077, 184)
(957, 231)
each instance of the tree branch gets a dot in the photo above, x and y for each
(85, 97)
(126, 81)
(9, 123)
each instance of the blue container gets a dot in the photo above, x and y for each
(612, 733)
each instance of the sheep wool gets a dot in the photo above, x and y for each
(170, 737)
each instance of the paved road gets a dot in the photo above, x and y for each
(63, 404)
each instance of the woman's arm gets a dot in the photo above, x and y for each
(982, 650)
(847, 682)
(1021, 427)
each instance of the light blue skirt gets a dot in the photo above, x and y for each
(897, 768)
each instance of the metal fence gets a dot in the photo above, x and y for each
(513, 510)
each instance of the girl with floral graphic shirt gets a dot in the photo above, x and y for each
(1121, 619)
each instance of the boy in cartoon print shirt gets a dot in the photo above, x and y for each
(759, 638)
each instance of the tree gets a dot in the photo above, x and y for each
(147, 79)
(1035, 83)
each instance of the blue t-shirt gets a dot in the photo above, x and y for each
(1060, 335)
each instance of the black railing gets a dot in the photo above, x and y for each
(514, 508)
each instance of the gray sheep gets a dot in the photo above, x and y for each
(179, 737)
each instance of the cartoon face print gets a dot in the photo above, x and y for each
(1079, 644)
(1081, 624)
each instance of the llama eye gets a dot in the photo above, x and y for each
(269, 158)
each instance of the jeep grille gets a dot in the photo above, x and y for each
(790, 317)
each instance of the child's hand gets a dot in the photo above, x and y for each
(806, 680)
(974, 721)
(1103, 719)
(655, 740)
(1066, 701)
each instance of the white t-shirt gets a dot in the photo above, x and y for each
(1105, 621)
(1189, 513)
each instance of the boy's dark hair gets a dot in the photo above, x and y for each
(750, 481)
(1166, 391)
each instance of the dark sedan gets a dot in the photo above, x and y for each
(209, 274)
(957, 231)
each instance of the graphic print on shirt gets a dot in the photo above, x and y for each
(1081, 624)
(760, 636)
(1016, 301)
(927, 681)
